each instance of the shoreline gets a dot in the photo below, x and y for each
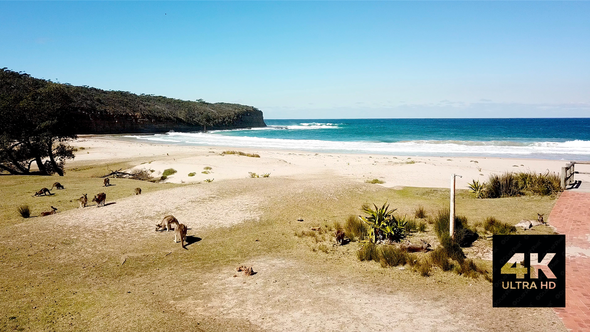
(395, 171)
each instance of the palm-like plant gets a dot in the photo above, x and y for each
(477, 188)
(383, 223)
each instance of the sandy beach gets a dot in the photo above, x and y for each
(433, 172)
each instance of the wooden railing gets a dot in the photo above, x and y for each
(568, 172)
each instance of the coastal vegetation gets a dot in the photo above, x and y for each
(511, 184)
(240, 153)
(39, 117)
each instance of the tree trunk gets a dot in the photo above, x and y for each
(54, 165)
(15, 163)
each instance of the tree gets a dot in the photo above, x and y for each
(36, 123)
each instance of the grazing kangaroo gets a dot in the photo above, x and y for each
(83, 200)
(100, 199)
(138, 191)
(53, 211)
(43, 191)
(424, 247)
(58, 186)
(181, 232)
(107, 182)
(340, 237)
(540, 218)
(167, 223)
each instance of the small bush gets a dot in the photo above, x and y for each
(265, 175)
(24, 211)
(452, 248)
(463, 235)
(253, 175)
(424, 267)
(355, 229)
(516, 184)
(440, 258)
(142, 175)
(209, 180)
(207, 168)
(368, 252)
(392, 256)
(375, 181)
(411, 226)
(192, 174)
(497, 227)
(420, 213)
(468, 268)
(168, 172)
(205, 172)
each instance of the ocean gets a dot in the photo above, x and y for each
(543, 138)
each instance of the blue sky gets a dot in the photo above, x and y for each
(317, 59)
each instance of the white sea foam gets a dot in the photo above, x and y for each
(575, 150)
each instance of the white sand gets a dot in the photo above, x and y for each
(433, 172)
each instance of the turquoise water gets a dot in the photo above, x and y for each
(566, 138)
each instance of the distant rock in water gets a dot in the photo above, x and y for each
(98, 111)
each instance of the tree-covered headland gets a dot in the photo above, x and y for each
(40, 116)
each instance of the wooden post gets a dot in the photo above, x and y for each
(452, 208)
(563, 175)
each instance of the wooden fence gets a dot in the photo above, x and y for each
(568, 172)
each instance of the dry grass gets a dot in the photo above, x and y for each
(54, 277)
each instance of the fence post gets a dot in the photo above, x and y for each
(563, 175)
(452, 207)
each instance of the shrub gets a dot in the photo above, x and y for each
(497, 227)
(192, 174)
(516, 184)
(168, 172)
(207, 168)
(265, 175)
(463, 235)
(354, 228)
(420, 213)
(452, 248)
(24, 211)
(142, 175)
(424, 267)
(440, 258)
(477, 188)
(374, 181)
(468, 268)
(411, 226)
(209, 180)
(392, 256)
(383, 225)
(253, 175)
(368, 252)
(205, 172)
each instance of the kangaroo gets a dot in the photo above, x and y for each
(83, 200)
(340, 237)
(100, 199)
(43, 191)
(424, 247)
(107, 182)
(181, 232)
(53, 211)
(167, 223)
(58, 186)
(540, 218)
(138, 191)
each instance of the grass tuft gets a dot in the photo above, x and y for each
(240, 153)
(497, 227)
(420, 212)
(24, 211)
(355, 229)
